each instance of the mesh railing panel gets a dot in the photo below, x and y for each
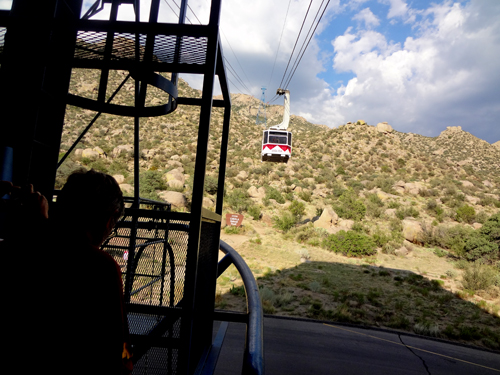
(158, 281)
(91, 45)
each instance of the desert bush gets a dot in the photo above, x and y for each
(305, 196)
(381, 238)
(211, 185)
(491, 228)
(239, 200)
(478, 276)
(350, 244)
(297, 208)
(254, 211)
(285, 222)
(403, 212)
(385, 184)
(350, 207)
(149, 183)
(478, 246)
(466, 214)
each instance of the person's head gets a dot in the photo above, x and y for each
(90, 202)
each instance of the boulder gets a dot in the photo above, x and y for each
(361, 122)
(175, 184)
(256, 193)
(176, 199)
(247, 160)
(173, 163)
(123, 149)
(413, 188)
(466, 183)
(90, 154)
(345, 224)
(487, 183)
(242, 176)
(471, 199)
(327, 219)
(384, 127)
(148, 154)
(78, 153)
(174, 174)
(207, 202)
(477, 225)
(412, 230)
(399, 187)
(127, 188)
(175, 157)
(120, 179)
(100, 151)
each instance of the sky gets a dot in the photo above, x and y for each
(419, 65)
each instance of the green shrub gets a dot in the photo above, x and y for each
(254, 211)
(149, 183)
(491, 228)
(478, 276)
(272, 193)
(478, 246)
(350, 244)
(403, 212)
(211, 185)
(305, 196)
(350, 207)
(297, 208)
(466, 214)
(285, 222)
(239, 200)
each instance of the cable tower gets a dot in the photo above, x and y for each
(261, 113)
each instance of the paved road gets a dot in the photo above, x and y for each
(297, 347)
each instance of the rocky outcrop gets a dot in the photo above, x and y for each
(327, 220)
(256, 193)
(174, 198)
(90, 154)
(122, 149)
(384, 127)
(412, 230)
(120, 179)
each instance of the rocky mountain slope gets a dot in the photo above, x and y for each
(389, 193)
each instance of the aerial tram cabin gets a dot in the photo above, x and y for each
(277, 141)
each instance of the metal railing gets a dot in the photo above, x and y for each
(253, 358)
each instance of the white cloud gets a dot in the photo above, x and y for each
(445, 76)
(398, 8)
(367, 17)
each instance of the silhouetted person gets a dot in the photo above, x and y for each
(64, 296)
(86, 211)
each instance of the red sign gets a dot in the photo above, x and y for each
(234, 220)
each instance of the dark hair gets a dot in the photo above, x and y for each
(89, 199)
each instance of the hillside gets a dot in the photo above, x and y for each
(401, 217)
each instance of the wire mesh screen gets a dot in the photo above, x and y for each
(191, 50)
(154, 247)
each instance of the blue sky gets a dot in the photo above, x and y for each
(419, 65)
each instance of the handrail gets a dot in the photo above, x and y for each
(253, 359)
